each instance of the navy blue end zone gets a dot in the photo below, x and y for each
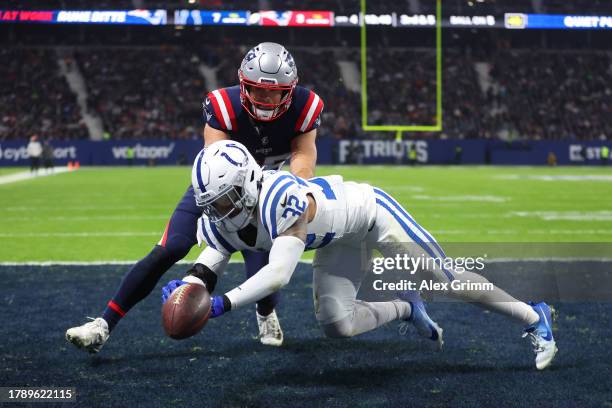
(485, 359)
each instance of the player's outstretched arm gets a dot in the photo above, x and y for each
(304, 155)
(212, 135)
(286, 251)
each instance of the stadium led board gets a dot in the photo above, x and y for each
(206, 17)
(134, 17)
(292, 18)
(556, 21)
(302, 18)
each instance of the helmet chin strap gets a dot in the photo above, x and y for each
(264, 114)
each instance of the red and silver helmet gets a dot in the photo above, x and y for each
(267, 66)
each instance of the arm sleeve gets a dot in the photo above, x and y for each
(284, 256)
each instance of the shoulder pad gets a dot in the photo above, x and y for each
(310, 107)
(281, 202)
(219, 110)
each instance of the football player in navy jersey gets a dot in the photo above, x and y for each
(276, 120)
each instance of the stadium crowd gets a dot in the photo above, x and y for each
(160, 98)
(157, 92)
(35, 98)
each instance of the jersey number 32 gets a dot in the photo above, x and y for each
(293, 201)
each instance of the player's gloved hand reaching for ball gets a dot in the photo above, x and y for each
(169, 288)
(217, 302)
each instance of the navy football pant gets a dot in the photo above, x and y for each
(178, 239)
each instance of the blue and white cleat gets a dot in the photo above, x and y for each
(541, 336)
(420, 319)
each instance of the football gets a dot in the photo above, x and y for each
(186, 311)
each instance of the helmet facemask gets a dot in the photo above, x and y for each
(229, 208)
(263, 111)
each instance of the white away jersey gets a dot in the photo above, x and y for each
(345, 210)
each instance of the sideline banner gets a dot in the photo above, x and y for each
(330, 151)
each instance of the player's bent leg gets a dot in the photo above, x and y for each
(366, 316)
(536, 317)
(396, 225)
(270, 331)
(396, 232)
(335, 289)
(178, 239)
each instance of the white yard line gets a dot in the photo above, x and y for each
(90, 218)
(557, 177)
(550, 259)
(27, 175)
(565, 215)
(485, 231)
(103, 263)
(462, 198)
(78, 234)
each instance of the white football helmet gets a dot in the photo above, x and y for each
(226, 181)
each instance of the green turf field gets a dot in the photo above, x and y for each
(120, 213)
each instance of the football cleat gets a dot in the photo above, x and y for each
(541, 336)
(270, 332)
(91, 336)
(420, 320)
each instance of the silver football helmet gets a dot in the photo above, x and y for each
(226, 180)
(267, 66)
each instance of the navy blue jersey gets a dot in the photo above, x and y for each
(268, 142)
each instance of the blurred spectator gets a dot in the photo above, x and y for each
(47, 156)
(35, 151)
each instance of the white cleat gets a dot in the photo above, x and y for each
(270, 332)
(541, 336)
(91, 336)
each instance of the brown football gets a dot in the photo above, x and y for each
(186, 311)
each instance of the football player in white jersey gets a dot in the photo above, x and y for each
(245, 208)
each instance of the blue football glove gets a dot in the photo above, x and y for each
(169, 288)
(216, 306)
